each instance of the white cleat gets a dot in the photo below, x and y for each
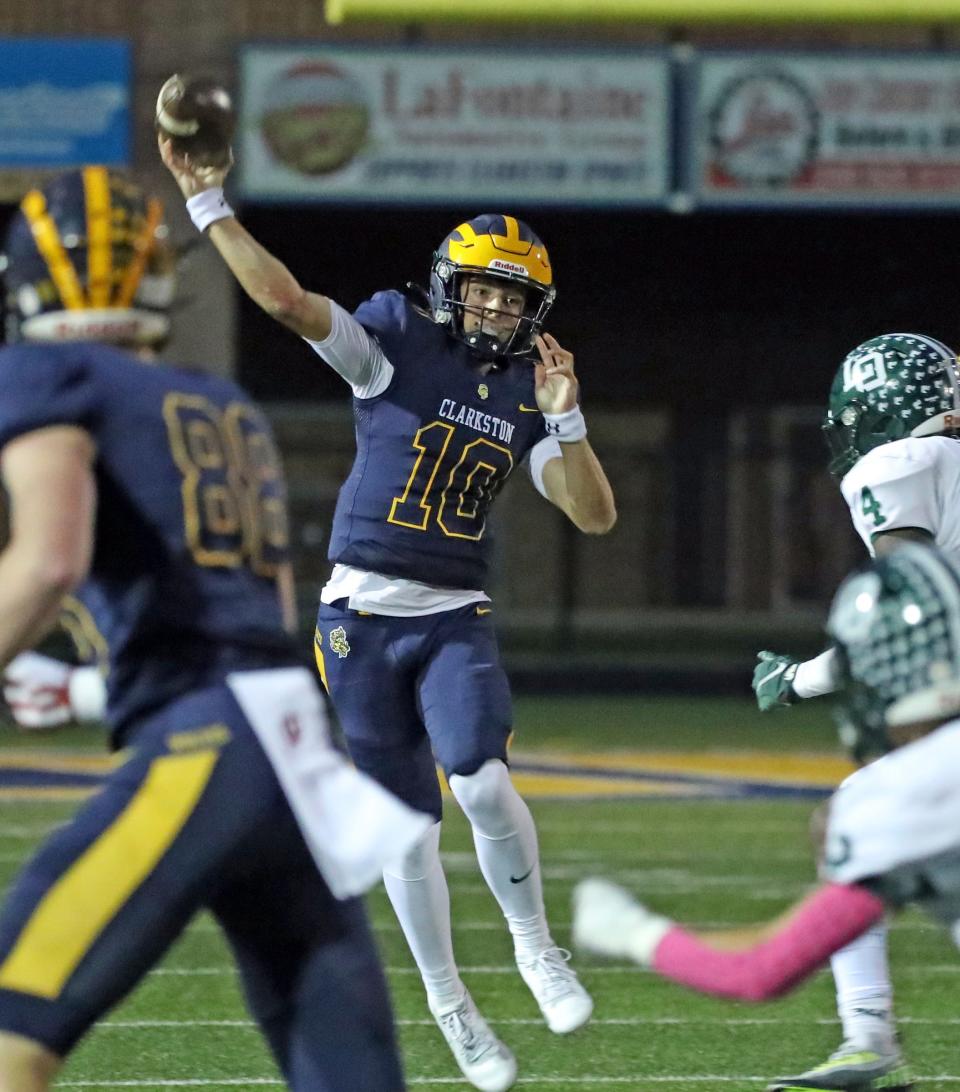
(565, 1004)
(486, 1063)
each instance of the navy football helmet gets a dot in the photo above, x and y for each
(87, 258)
(500, 248)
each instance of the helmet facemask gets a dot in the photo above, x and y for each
(489, 331)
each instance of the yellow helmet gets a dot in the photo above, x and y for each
(498, 247)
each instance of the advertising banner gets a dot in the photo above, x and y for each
(833, 129)
(449, 125)
(64, 102)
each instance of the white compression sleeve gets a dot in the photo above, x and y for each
(418, 892)
(505, 839)
(354, 354)
(816, 676)
(540, 454)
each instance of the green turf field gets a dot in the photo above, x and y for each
(705, 861)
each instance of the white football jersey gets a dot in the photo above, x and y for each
(895, 826)
(914, 482)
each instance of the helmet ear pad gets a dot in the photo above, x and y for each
(442, 283)
(873, 431)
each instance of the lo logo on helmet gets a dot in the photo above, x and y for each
(865, 372)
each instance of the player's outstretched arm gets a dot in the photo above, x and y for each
(575, 483)
(756, 963)
(779, 680)
(52, 491)
(264, 278)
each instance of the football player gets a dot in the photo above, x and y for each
(451, 392)
(893, 827)
(890, 425)
(153, 496)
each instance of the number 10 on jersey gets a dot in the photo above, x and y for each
(451, 485)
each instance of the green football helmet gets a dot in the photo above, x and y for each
(889, 387)
(896, 628)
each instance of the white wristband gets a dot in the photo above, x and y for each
(566, 427)
(207, 207)
(88, 693)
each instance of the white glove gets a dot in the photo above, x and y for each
(608, 921)
(44, 693)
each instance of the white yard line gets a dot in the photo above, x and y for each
(28, 830)
(510, 968)
(626, 1021)
(233, 1082)
(393, 926)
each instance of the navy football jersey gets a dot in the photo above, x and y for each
(433, 451)
(191, 517)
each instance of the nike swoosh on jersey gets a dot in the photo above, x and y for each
(484, 610)
(520, 879)
(528, 409)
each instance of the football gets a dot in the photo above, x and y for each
(197, 114)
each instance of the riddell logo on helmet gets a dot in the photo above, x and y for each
(96, 331)
(507, 267)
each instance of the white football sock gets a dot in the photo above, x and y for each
(506, 842)
(418, 891)
(864, 992)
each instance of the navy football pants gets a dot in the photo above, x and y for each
(195, 818)
(409, 691)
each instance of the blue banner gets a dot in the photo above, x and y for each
(64, 102)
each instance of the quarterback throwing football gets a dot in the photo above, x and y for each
(451, 393)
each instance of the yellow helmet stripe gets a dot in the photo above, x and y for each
(513, 229)
(50, 245)
(96, 187)
(142, 249)
(469, 235)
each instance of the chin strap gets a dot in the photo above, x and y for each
(486, 346)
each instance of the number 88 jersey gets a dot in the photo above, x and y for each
(433, 451)
(191, 515)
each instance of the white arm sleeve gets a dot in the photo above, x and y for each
(540, 454)
(816, 676)
(354, 354)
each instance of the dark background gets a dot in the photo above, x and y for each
(701, 311)
(661, 310)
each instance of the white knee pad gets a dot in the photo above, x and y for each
(488, 799)
(419, 861)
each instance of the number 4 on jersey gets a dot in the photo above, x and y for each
(870, 507)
